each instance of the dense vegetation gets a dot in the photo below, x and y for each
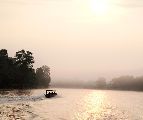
(121, 83)
(127, 83)
(18, 72)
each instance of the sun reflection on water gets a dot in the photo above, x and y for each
(91, 106)
(97, 105)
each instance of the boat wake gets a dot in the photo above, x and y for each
(9, 99)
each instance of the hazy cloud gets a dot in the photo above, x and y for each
(129, 5)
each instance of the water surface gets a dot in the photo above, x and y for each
(84, 104)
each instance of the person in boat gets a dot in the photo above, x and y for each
(51, 93)
(55, 93)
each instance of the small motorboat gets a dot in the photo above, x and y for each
(50, 93)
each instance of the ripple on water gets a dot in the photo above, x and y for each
(83, 104)
(95, 106)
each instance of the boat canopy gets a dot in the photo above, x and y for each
(50, 90)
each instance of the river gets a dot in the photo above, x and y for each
(76, 104)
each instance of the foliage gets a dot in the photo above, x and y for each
(127, 83)
(43, 76)
(24, 59)
(121, 83)
(18, 72)
(100, 83)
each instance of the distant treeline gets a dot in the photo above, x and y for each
(18, 73)
(121, 83)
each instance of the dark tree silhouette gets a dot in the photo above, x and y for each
(18, 72)
(24, 59)
(43, 76)
(3, 67)
(3, 53)
(7, 71)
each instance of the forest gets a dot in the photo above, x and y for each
(18, 73)
(126, 82)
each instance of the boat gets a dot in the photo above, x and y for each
(50, 93)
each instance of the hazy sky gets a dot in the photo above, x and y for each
(78, 39)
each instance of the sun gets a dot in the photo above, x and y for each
(99, 7)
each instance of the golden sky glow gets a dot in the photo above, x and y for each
(76, 37)
(100, 7)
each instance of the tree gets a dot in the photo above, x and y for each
(3, 68)
(43, 76)
(18, 72)
(101, 83)
(3, 53)
(24, 67)
(123, 82)
(24, 59)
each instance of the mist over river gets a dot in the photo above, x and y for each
(74, 104)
